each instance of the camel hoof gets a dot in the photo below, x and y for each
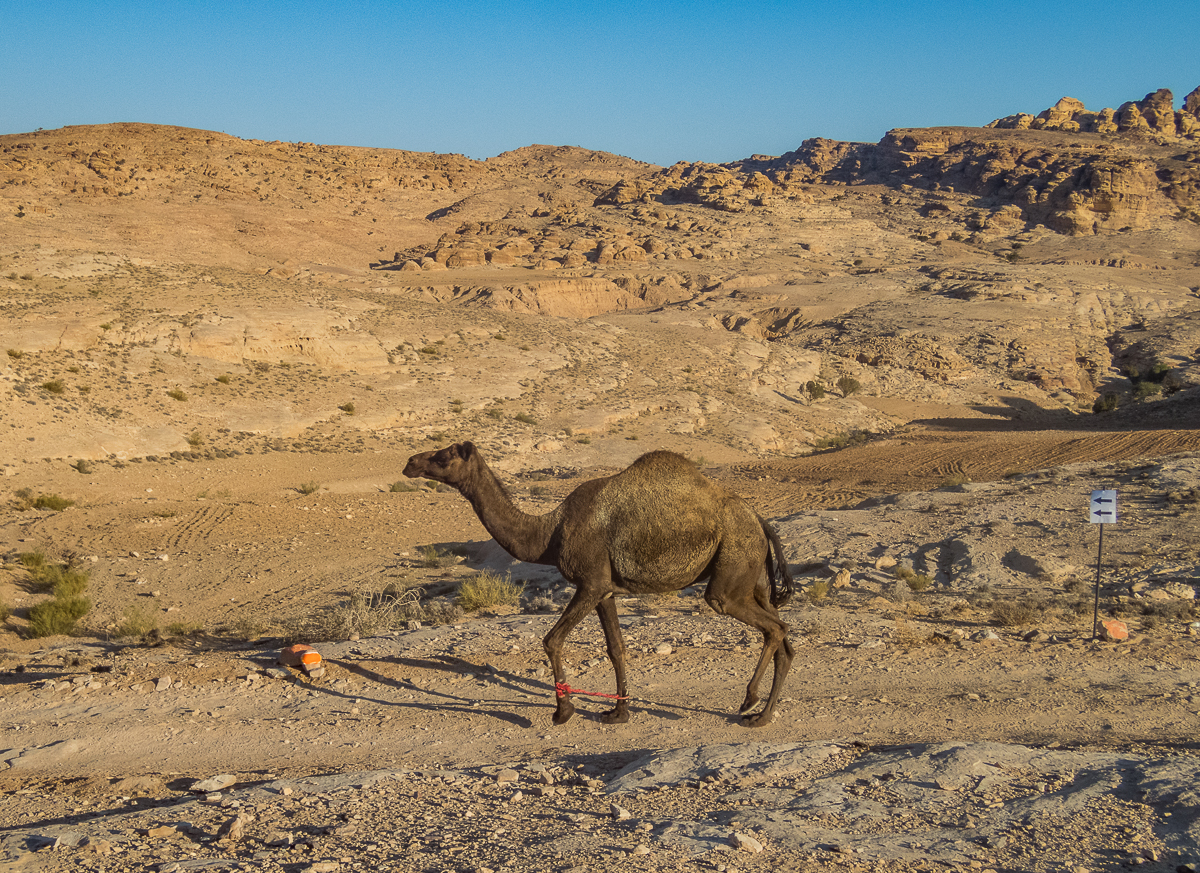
(759, 719)
(615, 716)
(564, 712)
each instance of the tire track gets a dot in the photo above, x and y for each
(927, 460)
(198, 527)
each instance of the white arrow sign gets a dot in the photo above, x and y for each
(1104, 507)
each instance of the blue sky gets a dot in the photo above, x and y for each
(658, 81)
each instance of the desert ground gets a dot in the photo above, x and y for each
(916, 359)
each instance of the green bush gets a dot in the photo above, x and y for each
(67, 583)
(54, 386)
(848, 385)
(177, 394)
(1143, 390)
(61, 579)
(348, 408)
(1105, 403)
(843, 440)
(308, 487)
(815, 390)
(57, 616)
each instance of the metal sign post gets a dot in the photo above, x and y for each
(1103, 511)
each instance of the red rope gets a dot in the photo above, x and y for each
(562, 689)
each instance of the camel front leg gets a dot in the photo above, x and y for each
(606, 609)
(553, 643)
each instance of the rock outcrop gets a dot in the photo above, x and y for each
(1153, 114)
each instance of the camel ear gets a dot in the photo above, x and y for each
(466, 450)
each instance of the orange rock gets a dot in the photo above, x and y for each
(1115, 631)
(300, 655)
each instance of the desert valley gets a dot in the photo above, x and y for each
(915, 358)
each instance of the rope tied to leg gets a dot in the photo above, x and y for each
(562, 689)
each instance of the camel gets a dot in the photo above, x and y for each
(655, 527)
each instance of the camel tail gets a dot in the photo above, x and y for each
(778, 574)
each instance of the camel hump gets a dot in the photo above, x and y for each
(659, 479)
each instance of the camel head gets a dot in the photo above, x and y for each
(450, 465)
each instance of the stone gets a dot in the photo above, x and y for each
(97, 846)
(507, 775)
(69, 840)
(163, 683)
(663, 649)
(640, 850)
(745, 842)
(234, 829)
(619, 813)
(214, 783)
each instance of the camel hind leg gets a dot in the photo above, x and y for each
(734, 591)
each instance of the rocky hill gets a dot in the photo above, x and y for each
(1031, 267)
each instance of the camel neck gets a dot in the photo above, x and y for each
(525, 537)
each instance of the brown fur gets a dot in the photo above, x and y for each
(655, 527)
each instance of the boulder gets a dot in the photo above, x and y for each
(1191, 103)
(1130, 118)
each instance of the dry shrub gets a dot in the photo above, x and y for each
(817, 591)
(433, 558)
(1016, 613)
(485, 590)
(24, 499)
(916, 581)
(185, 629)
(135, 624)
(1174, 610)
(910, 636)
(363, 614)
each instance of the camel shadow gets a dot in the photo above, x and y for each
(502, 679)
